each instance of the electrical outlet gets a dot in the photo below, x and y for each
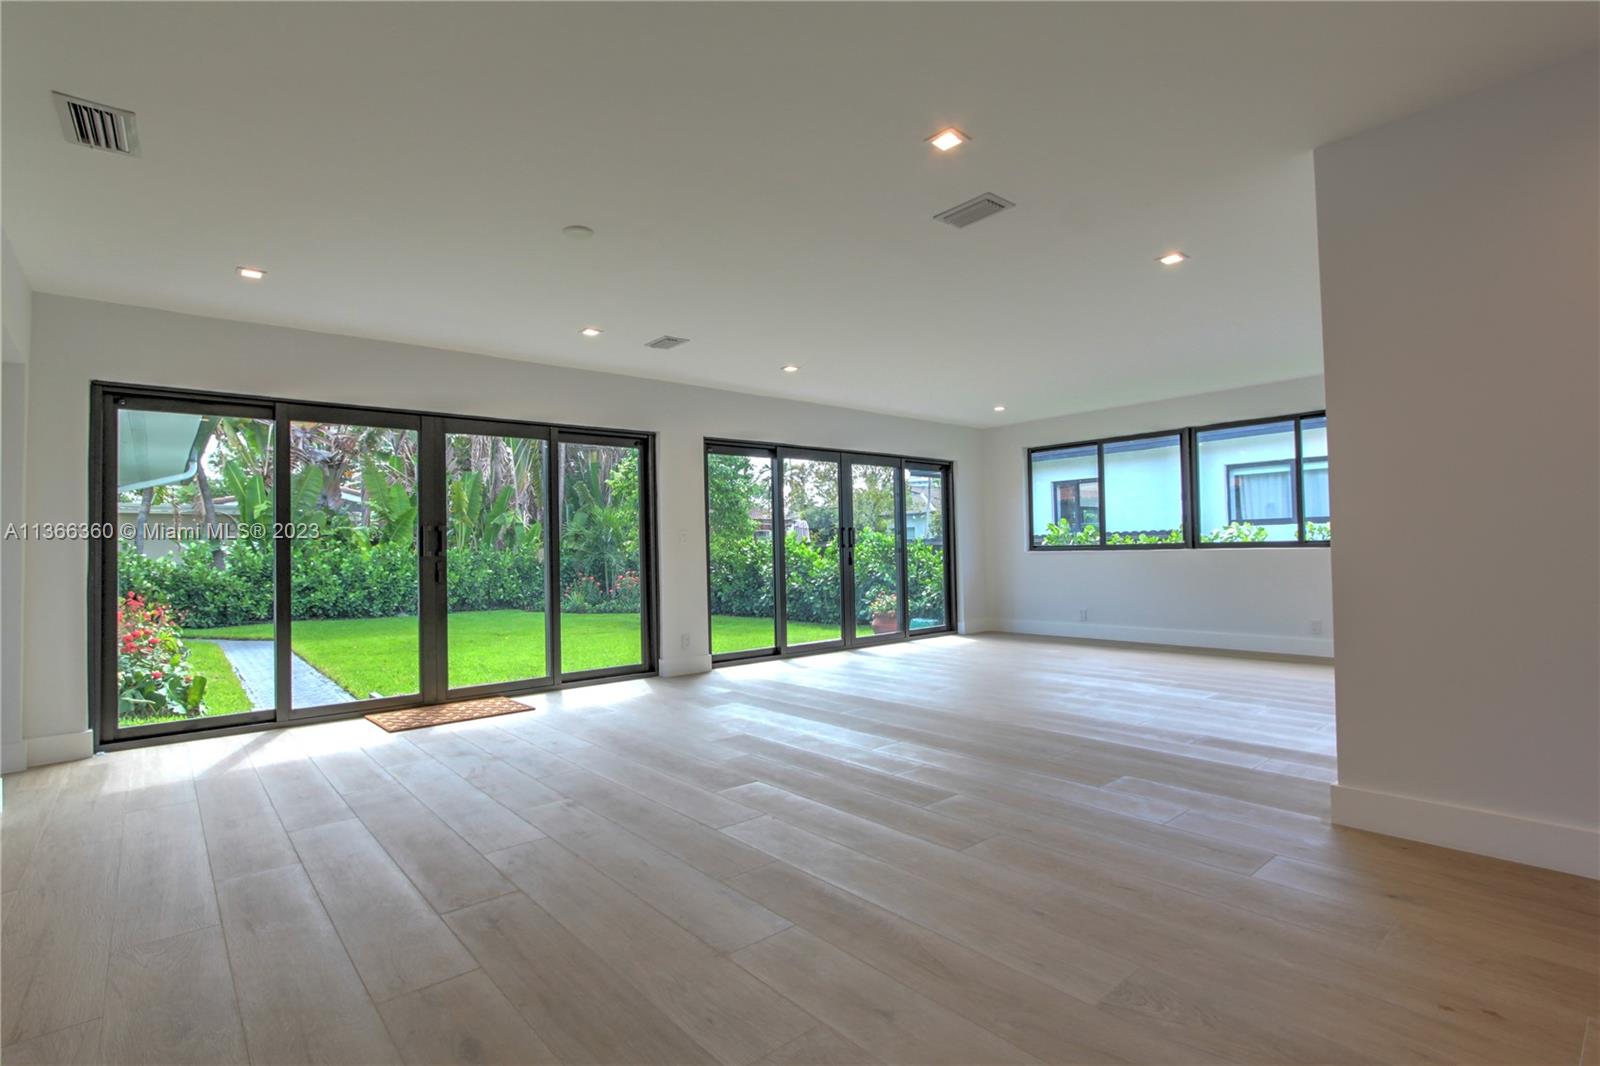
(1316, 627)
(1083, 614)
(683, 641)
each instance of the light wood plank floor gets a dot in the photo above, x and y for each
(963, 850)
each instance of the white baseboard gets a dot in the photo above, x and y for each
(684, 665)
(14, 757)
(1572, 849)
(1318, 647)
(62, 747)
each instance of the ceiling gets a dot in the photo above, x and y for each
(756, 176)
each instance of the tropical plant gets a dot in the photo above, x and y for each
(391, 501)
(600, 529)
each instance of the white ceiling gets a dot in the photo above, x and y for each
(756, 175)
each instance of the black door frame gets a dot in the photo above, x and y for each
(107, 398)
(904, 464)
(847, 566)
(780, 526)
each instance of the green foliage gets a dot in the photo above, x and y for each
(1319, 531)
(1061, 533)
(1235, 533)
(154, 677)
(812, 592)
(342, 577)
(392, 499)
(586, 595)
(600, 523)
(741, 577)
(1174, 536)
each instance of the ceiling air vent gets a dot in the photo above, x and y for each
(92, 125)
(664, 343)
(974, 210)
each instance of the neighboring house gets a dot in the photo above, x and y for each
(167, 534)
(1244, 474)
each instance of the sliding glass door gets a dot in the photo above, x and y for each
(496, 493)
(354, 630)
(264, 561)
(874, 556)
(742, 550)
(187, 628)
(928, 561)
(813, 538)
(602, 605)
(809, 550)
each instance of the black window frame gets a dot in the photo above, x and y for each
(1188, 444)
(1100, 477)
(104, 397)
(781, 649)
(1055, 499)
(1233, 470)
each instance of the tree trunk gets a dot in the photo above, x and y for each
(208, 509)
(147, 498)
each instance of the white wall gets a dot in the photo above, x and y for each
(1459, 276)
(16, 313)
(1250, 599)
(77, 341)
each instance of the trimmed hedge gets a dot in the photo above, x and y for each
(346, 578)
(741, 576)
(332, 578)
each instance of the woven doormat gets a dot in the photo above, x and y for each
(444, 713)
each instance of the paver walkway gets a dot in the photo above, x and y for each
(252, 661)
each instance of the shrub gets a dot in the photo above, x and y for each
(154, 678)
(741, 576)
(585, 594)
(1171, 536)
(332, 577)
(1058, 533)
(812, 590)
(1235, 533)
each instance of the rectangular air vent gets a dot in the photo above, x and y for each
(974, 210)
(669, 341)
(110, 129)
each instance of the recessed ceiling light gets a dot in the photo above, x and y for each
(790, 369)
(591, 331)
(252, 273)
(948, 138)
(578, 233)
(1172, 259)
(999, 407)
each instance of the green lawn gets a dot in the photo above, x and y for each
(737, 633)
(224, 693)
(379, 655)
(367, 655)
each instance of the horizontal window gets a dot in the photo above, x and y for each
(1066, 497)
(1121, 493)
(1262, 482)
(1144, 490)
(1314, 479)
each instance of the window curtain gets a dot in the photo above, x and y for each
(1265, 495)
